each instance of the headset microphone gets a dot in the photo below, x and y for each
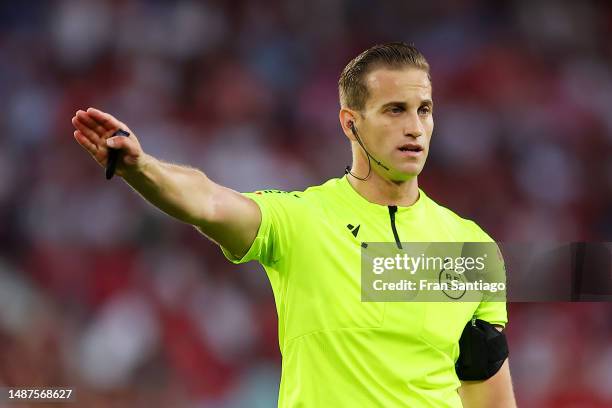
(369, 156)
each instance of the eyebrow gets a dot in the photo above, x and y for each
(403, 105)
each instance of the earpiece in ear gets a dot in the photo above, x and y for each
(352, 126)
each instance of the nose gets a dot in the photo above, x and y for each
(413, 126)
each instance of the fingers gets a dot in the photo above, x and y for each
(86, 131)
(109, 122)
(94, 132)
(85, 142)
(89, 122)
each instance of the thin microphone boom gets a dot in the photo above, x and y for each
(368, 155)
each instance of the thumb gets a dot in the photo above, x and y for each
(117, 142)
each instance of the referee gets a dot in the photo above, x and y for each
(337, 350)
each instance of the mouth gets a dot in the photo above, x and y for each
(410, 148)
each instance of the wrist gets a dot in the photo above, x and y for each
(139, 168)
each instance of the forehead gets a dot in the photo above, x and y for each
(410, 85)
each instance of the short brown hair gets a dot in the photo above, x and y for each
(351, 86)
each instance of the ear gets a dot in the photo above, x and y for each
(347, 119)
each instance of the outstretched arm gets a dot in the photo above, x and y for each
(224, 215)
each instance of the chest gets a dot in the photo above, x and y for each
(324, 290)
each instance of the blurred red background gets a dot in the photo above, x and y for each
(101, 292)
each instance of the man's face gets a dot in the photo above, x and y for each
(396, 123)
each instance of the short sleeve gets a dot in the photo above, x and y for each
(494, 312)
(279, 214)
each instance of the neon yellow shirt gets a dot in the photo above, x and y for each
(338, 351)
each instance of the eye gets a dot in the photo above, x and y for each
(424, 110)
(395, 110)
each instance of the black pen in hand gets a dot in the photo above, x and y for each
(113, 155)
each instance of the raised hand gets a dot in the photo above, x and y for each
(227, 217)
(94, 129)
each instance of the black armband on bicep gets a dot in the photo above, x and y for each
(482, 351)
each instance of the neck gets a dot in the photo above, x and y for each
(380, 190)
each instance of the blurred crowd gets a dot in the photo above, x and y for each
(101, 292)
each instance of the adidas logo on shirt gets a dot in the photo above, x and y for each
(354, 230)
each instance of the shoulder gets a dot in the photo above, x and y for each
(467, 228)
(317, 194)
(326, 188)
(299, 199)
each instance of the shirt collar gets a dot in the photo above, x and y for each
(354, 196)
